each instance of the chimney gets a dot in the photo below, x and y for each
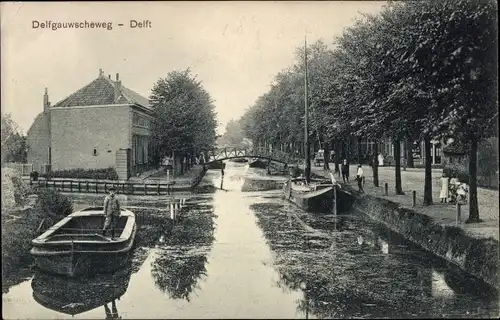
(109, 76)
(118, 86)
(46, 103)
(101, 73)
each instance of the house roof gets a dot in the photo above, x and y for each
(456, 147)
(101, 91)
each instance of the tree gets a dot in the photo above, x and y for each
(454, 73)
(186, 120)
(233, 136)
(14, 144)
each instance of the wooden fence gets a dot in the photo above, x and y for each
(65, 185)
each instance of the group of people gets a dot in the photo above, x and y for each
(344, 169)
(453, 189)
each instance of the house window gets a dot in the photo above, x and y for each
(94, 153)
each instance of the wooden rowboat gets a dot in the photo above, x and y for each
(319, 196)
(75, 246)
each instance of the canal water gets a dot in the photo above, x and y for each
(233, 254)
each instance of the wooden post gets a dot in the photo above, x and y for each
(62, 185)
(335, 199)
(145, 188)
(79, 186)
(386, 188)
(123, 188)
(71, 186)
(105, 187)
(158, 190)
(96, 191)
(459, 218)
(87, 185)
(414, 198)
(363, 180)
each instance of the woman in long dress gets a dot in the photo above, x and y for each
(445, 182)
(380, 160)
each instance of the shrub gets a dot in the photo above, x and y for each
(100, 174)
(14, 191)
(53, 205)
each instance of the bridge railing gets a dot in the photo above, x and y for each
(259, 152)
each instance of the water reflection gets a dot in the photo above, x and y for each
(77, 295)
(181, 257)
(364, 270)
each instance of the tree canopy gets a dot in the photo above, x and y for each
(14, 144)
(418, 70)
(185, 116)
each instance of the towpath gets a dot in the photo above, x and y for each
(443, 213)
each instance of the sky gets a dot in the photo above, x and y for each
(235, 48)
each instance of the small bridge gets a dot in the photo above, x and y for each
(264, 153)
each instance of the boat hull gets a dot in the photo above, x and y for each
(81, 264)
(319, 201)
(257, 164)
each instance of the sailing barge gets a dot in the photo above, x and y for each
(74, 246)
(319, 196)
(315, 195)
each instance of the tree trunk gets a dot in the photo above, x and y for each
(473, 205)
(326, 156)
(397, 160)
(428, 172)
(409, 154)
(375, 164)
(359, 150)
(405, 147)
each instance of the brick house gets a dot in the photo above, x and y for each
(102, 125)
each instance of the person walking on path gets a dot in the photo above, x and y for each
(359, 178)
(345, 171)
(445, 183)
(111, 212)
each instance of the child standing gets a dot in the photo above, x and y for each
(444, 188)
(462, 192)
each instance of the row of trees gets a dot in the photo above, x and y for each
(185, 117)
(233, 136)
(14, 144)
(416, 71)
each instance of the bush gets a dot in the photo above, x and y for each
(14, 191)
(100, 174)
(53, 205)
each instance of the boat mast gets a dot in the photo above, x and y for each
(307, 171)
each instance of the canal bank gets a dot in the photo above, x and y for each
(475, 251)
(477, 256)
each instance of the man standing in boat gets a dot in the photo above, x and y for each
(111, 212)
